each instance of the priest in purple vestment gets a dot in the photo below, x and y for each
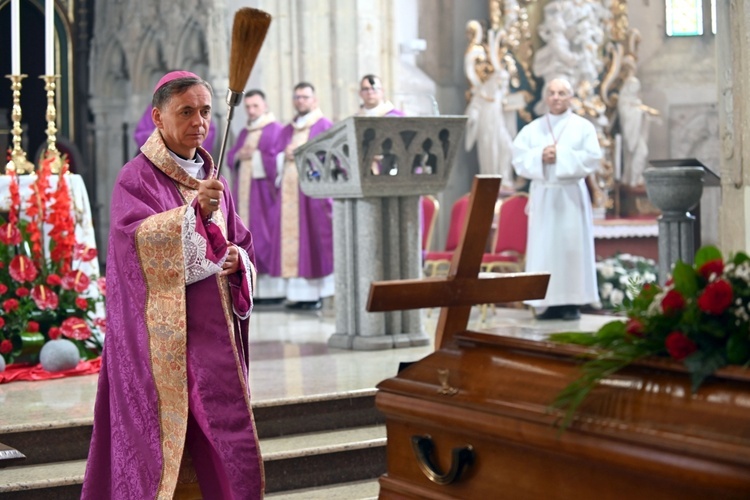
(373, 98)
(173, 410)
(252, 161)
(303, 244)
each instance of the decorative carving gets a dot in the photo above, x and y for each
(445, 387)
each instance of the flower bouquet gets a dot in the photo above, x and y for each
(617, 277)
(701, 318)
(42, 296)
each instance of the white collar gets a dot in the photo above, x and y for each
(193, 167)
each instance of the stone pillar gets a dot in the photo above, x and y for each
(675, 191)
(733, 77)
(376, 217)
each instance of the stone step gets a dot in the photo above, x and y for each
(357, 490)
(44, 441)
(291, 463)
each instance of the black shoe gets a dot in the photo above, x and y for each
(268, 302)
(313, 305)
(552, 312)
(571, 313)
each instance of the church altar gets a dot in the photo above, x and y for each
(636, 236)
(84, 227)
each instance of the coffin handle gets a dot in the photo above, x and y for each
(461, 458)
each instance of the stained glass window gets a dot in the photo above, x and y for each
(684, 17)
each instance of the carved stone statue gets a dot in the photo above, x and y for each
(490, 88)
(635, 121)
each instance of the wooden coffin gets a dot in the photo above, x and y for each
(477, 411)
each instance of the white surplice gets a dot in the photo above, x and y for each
(561, 239)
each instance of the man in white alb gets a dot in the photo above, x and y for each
(556, 152)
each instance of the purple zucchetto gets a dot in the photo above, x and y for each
(174, 75)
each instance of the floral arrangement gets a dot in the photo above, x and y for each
(42, 297)
(618, 276)
(700, 318)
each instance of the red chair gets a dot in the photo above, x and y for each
(437, 261)
(509, 246)
(430, 209)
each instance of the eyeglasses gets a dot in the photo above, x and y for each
(369, 89)
(301, 97)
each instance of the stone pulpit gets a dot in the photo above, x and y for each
(375, 169)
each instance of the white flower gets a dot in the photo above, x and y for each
(616, 297)
(649, 277)
(607, 271)
(606, 289)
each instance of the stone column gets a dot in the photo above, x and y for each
(733, 77)
(675, 191)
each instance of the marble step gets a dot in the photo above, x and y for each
(51, 440)
(357, 490)
(296, 462)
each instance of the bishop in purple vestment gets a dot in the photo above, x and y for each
(173, 405)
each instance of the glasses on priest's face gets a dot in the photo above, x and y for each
(366, 90)
(302, 97)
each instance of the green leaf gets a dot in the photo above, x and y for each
(707, 254)
(685, 279)
(738, 348)
(702, 364)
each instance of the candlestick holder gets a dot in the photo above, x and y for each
(18, 161)
(50, 84)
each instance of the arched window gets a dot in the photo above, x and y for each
(690, 17)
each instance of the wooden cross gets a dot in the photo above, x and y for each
(464, 286)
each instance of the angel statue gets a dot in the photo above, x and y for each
(490, 86)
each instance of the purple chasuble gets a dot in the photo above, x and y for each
(264, 195)
(134, 415)
(315, 222)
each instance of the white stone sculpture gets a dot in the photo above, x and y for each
(635, 122)
(486, 126)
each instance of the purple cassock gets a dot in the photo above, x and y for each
(146, 126)
(312, 235)
(173, 402)
(258, 203)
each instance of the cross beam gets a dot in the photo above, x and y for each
(464, 286)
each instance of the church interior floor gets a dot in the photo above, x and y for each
(290, 359)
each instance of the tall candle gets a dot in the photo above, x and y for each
(15, 38)
(49, 37)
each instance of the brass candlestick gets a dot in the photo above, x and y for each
(50, 83)
(18, 161)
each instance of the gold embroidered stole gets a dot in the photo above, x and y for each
(290, 201)
(160, 252)
(245, 169)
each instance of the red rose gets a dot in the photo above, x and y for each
(715, 266)
(32, 326)
(84, 252)
(3, 289)
(6, 346)
(54, 280)
(634, 327)
(82, 303)
(673, 302)
(717, 296)
(75, 328)
(679, 346)
(22, 291)
(10, 305)
(102, 284)
(54, 333)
